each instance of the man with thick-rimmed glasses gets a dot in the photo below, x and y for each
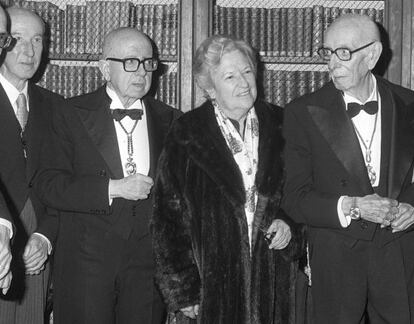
(99, 173)
(349, 163)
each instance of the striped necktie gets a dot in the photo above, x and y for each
(21, 113)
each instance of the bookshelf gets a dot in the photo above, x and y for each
(76, 29)
(286, 34)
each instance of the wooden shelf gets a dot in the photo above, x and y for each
(291, 60)
(96, 57)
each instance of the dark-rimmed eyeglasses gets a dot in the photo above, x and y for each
(131, 64)
(5, 40)
(343, 53)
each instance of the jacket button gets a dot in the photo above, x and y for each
(364, 225)
(102, 173)
(344, 182)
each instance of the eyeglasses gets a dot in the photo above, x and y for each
(343, 53)
(131, 64)
(5, 40)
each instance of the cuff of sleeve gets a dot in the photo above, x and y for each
(109, 194)
(8, 224)
(49, 245)
(343, 219)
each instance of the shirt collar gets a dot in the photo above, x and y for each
(372, 97)
(11, 91)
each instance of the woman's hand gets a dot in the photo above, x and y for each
(191, 311)
(281, 234)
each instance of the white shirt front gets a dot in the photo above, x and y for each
(140, 140)
(365, 124)
(12, 93)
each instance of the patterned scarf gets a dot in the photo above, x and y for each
(245, 153)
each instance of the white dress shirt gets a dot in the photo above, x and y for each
(365, 124)
(141, 154)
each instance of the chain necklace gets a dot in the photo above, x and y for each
(371, 172)
(130, 165)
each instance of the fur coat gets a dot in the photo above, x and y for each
(200, 232)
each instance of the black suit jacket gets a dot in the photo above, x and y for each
(83, 156)
(16, 171)
(324, 159)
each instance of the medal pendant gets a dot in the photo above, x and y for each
(371, 174)
(130, 167)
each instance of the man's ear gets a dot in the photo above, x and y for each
(374, 54)
(104, 68)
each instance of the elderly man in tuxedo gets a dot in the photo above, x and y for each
(25, 115)
(99, 173)
(349, 160)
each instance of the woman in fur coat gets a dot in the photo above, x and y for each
(225, 251)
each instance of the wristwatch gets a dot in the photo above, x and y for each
(354, 211)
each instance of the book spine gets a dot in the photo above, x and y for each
(317, 32)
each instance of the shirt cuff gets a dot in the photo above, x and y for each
(109, 196)
(49, 245)
(8, 224)
(343, 219)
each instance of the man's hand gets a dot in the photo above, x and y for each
(133, 187)
(374, 208)
(6, 282)
(5, 254)
(281, 234)
(190, 311)
(35, 254)
(404, 218)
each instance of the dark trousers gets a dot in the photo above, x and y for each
(102, 278)
(352, 279)
(25, 302)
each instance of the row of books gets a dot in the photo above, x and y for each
(276, 86)
(285, 32)
(80, 29)
(280, 87)
(72, 80)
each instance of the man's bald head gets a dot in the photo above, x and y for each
(115, 41)
(121, 45)
(359, 35)
(362, 27)
(17, 13)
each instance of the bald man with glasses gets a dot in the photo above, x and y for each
(349, 167)
(99, 174)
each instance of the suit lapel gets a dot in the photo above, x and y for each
(101, 129)
(36, 128)
(337, 129)
(156, 131)
(12, 168)
(397, 141)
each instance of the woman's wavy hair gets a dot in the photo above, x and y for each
(208, 57)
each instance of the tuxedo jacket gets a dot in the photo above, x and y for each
(16, 170)
(324, 159)
(83, 155)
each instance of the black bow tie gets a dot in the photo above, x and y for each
(370, 107)
(134, 114)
